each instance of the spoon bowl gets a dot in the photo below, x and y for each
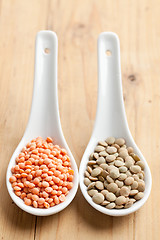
(44, 117)
(110, 117)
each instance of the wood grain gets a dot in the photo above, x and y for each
(78, 24)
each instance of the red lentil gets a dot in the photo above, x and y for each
(42, 176)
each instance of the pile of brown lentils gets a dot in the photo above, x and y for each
(114, 176)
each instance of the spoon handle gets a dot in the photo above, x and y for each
(44, 109)
(110, 106)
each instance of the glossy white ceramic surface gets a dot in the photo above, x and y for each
(110, 117)
(44, 117)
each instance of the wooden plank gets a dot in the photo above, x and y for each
(19, 23)
(78, 24)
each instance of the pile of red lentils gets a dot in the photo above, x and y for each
(42, 176)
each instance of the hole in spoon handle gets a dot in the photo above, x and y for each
(47, 50)
(110, 106)
(108, 53)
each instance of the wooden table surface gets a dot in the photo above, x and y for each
(78, 24)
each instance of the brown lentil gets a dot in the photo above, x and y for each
(111, 205)
(115, 175)
(98, 198)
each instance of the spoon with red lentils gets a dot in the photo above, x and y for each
(42, 175)
(115, 178)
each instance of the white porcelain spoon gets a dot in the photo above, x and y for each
(44, 118)
(110, 117)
